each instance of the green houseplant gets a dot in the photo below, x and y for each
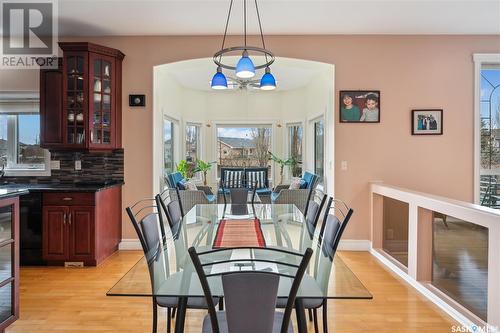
(204, 167)
(187, 169)
(290, 162)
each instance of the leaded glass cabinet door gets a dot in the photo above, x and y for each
(102, 106)
(75, 98)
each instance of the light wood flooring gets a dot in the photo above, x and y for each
(74, 300)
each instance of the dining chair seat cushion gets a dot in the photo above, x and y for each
(309, 303)
(193, 302)
(211, 198)
(221, 318)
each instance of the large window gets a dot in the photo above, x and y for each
(489, 174)
(20, 150)
(168, 146)
(319, 148)
(192, 142)
(243, 146)
(295, 135)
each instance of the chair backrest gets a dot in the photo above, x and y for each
(239, 196)
(170, 209)
(314, 206)
(144, 216)
(330, 234)
(311, 179)
(242, 291)
(174, 178)
(242, 280)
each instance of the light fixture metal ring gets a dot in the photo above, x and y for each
(218, 56)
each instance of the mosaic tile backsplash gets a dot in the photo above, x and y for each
(96, 167)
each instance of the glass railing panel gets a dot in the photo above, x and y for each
(395, 227)
(460, 262)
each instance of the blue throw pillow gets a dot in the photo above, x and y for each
(303, 184)
(181, 184)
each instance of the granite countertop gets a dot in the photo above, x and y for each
(19, 188)
(11, 192)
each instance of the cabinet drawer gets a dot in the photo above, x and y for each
(68, 199)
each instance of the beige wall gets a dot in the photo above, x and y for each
(410, 71)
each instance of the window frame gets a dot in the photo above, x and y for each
(480, 59)
(313, 133)
(197, 176)
(174, 130)
(288, 145)
(31, 100)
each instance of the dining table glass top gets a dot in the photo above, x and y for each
(168, 271)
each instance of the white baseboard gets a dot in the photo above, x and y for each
(355, 245)
(130, 244)
(345, 245)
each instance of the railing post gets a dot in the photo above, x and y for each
(494, 275)
(412, 240)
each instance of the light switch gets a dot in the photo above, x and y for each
(78, 165)
(55, 165)
(343, 165)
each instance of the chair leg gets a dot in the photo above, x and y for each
(168, 320)
(173, 312)
(221, 303)
(325, 317)
(155, 316)
(315, 315)
(310, 314)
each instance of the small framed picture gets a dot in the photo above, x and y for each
(427, 122)
(359, 106)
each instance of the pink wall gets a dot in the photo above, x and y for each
(410, 71)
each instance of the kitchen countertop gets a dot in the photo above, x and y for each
(13, 188)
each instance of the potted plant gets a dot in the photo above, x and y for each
(291, 162)
(187, 169)
(204, 167)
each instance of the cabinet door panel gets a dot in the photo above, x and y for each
(82, 233)
(51, 107)
(55, 246)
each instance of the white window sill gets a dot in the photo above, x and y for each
(27, 173)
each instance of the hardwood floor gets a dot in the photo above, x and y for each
(74, 300)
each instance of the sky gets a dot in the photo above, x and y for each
(490, 78)
(29, 128)
(234, 132)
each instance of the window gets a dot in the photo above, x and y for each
(243, 146)
(168, 147)
(20, 149)
(319, 148)
(192, 142)
(295, 135)
(489, 113)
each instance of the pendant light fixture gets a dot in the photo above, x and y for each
(245, 69)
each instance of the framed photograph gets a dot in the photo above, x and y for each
(359, 106)
(427, 122)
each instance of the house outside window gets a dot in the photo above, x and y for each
(192, 142)
(20, 150)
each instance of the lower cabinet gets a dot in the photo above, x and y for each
(81, 227)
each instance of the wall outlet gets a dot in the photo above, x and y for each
(55, 165)
(343, 165)
(78, 165)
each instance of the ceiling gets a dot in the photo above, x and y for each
(281, 17)
(290, 73)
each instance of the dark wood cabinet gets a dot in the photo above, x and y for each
(80, 102)
(81, 227)
(9, 261)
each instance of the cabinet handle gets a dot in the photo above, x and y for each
(64, 219)
(69, 218)
(67, 198)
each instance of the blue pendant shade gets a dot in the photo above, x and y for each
(245, 68)
(267, 82)
(219, 81)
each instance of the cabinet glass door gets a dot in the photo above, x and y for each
(75, 129)
(100, 123)
(6, 262)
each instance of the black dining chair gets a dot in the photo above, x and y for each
(239, 195)
(171, 209)
(243, 290)
(331, 232)
(315, 203)
(145, 218)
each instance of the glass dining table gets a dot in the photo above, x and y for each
(169, 272)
